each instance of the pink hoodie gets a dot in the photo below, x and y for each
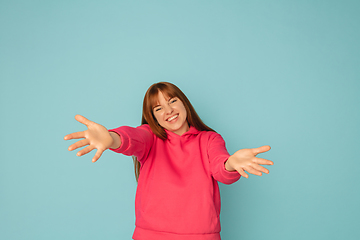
(177, 195)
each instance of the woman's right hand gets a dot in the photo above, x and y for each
(96, 137)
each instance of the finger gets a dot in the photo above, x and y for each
(263, 161)
(261, 149)
(251, 170)
(83, 120)
(75, 135)
(260, 168)
(242, 172)
(79, 144)
(85, 150)
(97, 155)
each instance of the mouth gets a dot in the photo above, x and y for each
(172, 118)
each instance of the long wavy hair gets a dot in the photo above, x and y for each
(151, 99)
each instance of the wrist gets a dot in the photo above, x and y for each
(116, 140)
(228, 166)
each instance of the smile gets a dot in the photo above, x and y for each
(172, 118)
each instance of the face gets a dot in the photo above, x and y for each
(170, 113)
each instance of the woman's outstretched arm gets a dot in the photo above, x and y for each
(246, 160)
(96, 137)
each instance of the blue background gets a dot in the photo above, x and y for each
(280, 73)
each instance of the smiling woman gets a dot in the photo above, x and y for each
(169, 92)
(179, 162)
(170, 113)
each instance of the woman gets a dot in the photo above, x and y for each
(178, 162)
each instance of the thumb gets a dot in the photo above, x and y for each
(97, 155)
(261, 149)
(82, 120)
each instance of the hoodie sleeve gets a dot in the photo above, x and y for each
(218, 155)
(134, 141)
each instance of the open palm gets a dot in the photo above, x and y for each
(95, 137)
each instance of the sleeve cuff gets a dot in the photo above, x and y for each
(124, 142)
(229, 176)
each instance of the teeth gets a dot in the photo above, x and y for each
(172, 118)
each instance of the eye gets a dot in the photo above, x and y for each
(173, 100)
(157, 109)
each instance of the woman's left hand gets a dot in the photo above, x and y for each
(246, 160)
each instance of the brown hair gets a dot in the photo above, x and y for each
(150, 100)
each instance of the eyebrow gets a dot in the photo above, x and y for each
(167, 100)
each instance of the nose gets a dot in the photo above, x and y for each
(168, 109)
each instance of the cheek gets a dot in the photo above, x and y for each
(158, 116)
(184, 111)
